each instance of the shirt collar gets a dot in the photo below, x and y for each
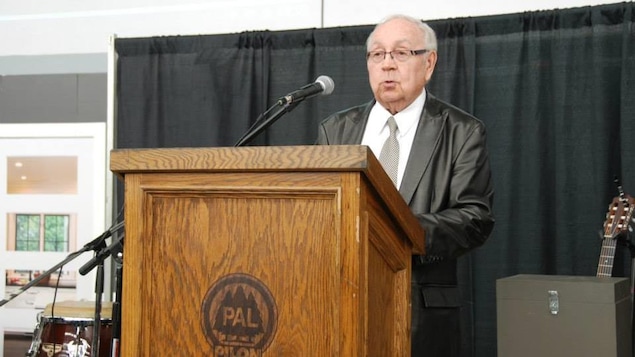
(406, 119)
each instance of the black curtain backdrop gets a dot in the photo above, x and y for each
(556, 90)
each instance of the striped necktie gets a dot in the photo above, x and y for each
(389, 156)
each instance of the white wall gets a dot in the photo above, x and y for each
(35, 27)
(87, 142)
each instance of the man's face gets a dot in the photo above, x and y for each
(397, 84)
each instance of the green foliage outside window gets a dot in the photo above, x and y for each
(33, 236)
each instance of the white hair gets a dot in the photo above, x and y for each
(428, 34)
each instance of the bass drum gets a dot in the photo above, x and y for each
(65, 329)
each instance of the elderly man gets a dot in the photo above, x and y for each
(437, 157)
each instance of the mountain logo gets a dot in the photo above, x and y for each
(239, 316)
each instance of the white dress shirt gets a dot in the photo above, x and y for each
(377, 131)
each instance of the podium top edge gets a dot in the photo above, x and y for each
(309, 158)
(257, 158)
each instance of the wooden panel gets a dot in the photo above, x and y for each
(320, 231)
(205, 227)
(381, 306)
(389, 272)
(353, 275)
(132, 310)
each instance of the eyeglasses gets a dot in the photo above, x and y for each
(397, 55)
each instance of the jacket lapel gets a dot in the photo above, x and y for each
(353, 131)
(424, 144)
(426, 138)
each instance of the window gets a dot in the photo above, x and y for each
(42, 232)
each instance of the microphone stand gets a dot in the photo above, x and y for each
(99, 290)
(98, 262)
(263, 122)
(92, 245)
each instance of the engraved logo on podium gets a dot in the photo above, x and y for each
(239, 316)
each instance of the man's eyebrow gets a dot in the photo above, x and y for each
(403, 42)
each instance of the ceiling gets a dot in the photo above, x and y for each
(42, 175)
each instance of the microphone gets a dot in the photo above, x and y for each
(323, 85)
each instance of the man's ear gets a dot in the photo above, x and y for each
(430, 63)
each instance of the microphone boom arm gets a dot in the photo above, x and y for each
(323, 85)
(92, 245)
(264, 122)
(41, 277)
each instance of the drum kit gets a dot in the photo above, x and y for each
(67, 328)
(81, 328)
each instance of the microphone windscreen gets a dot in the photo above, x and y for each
(327, 83)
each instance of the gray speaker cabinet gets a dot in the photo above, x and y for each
(550, 315)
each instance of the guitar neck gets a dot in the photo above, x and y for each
(607, 256)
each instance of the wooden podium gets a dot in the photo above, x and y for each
(264, 251)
